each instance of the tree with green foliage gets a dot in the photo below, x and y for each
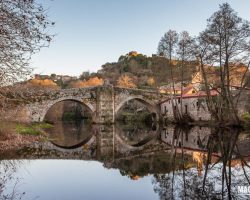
(85, 75)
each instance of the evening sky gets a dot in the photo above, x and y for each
(90, 33)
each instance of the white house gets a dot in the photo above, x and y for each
(192, 105)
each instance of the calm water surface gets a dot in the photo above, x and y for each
(127, 161)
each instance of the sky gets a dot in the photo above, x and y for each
(90, 33)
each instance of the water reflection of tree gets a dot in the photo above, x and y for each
(226, 142)
(220, 177)
(8, 169)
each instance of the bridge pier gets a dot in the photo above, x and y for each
(105, 105)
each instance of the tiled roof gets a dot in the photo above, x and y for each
(200, 94)
(194, 95)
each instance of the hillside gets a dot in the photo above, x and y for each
(139, 71)
(146, 71)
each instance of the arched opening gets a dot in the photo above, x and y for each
(136, 110)
(70, 135)
(134, 136)
(67, 110)
(136, 122)
(71, 121)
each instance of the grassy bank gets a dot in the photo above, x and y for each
(32, 129)
(16, 135)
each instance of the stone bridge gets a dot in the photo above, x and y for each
(103, 102)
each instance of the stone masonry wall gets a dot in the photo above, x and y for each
(195, 107)
(103, 102)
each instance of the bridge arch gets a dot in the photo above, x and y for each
(89, 140)
(150, 105)
(151, 135)
(49, 105)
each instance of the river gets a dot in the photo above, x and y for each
(129, 161)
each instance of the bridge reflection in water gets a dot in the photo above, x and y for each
(190, 162)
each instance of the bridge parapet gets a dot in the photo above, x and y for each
(103, 102)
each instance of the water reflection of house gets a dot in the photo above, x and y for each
(193, 141)
(196, 138)
(194, 105)
(135, 177)
(199, 157)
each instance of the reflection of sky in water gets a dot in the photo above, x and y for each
(71, 179)
(68, 179)
(79, 179)
(194, 183)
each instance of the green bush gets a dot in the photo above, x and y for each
(43, 125)
(25, 129)
(32, 129)
(246, 117)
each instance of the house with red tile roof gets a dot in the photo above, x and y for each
(193, 105)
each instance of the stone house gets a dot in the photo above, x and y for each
(191, 105)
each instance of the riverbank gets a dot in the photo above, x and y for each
(15, 136)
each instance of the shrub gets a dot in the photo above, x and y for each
(25, 129)
(246, 117)
(32, 129)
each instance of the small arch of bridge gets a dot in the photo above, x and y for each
(89, 107)
(137, 145)
(150, 105)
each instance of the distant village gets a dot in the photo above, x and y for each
(58, 79)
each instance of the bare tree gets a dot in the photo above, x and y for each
(23, 32)
(225, 42)
(167, 47)
(8, 168)
(185, 54)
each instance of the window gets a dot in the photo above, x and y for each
(166, 110)
(166, 134)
